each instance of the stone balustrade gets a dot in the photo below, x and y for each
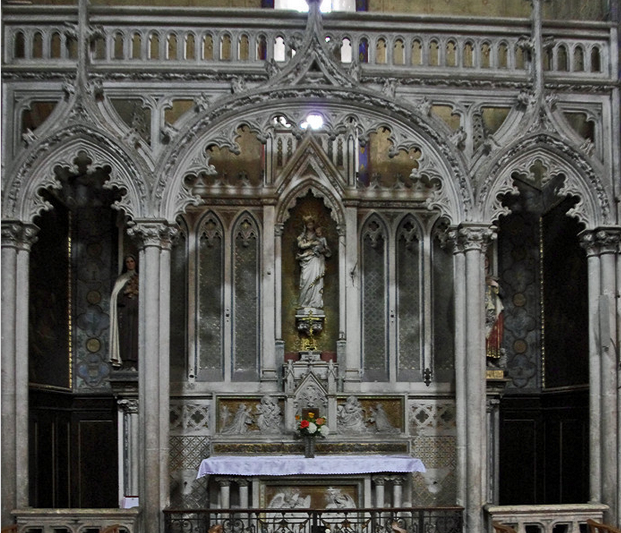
(546, 518)
(191, 38)
(76, 520)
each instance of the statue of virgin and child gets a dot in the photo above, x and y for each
(312, 253)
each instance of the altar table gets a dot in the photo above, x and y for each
(252, 468)
(292, 465)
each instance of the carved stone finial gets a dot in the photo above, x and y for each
(29, 137)
(201, 103)
(238, 84)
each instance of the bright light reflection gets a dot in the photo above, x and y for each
(302, 6)
(313, 121)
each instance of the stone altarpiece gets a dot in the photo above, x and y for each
(410, 177)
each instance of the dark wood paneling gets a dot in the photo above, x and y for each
(73, 450)
(96, 463)
(521, 451)
(544, 448)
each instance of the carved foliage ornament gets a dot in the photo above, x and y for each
(580, 178)
(601, 241)
(149, 233)
(61, 149)
(406, 124)
(18, 235)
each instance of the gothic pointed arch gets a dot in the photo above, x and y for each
(310, 171)
(578, 178)
(210, 299)
(356, 111)
(374, 241)
(246, 287)
(36, 171)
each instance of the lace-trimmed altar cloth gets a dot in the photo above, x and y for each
(292, 465)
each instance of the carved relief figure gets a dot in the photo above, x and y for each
(124, 317)
(241, 421)
(270, 418)
(290, 498)
(312, 253)
(380, 418)
(337, 499)
(350, 416)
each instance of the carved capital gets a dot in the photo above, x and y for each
(18, 235)
(128, 406)
(471, 237)
(156, 233)
(603, 240)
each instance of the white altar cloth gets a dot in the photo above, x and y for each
(292, 465)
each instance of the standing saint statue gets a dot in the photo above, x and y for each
(312, 253)
(124, 317)
(494, 317)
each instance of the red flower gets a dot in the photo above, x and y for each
(320, 421)
(304, 424)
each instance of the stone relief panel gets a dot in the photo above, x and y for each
(370, 416)
(250, 415)
(311, 494)
(190, 417)
(432, 417)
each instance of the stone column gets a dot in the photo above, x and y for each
(397, 491)
(129, 438)
(225, 493)
(17, 238)
(350, 368)
(602, 247)
(243, 485)
(278, 230)
(470, 242)
(154, 239)
(379, 482)
(270, 366)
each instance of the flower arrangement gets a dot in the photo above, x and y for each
(311, 425)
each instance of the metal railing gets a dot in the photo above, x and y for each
(370, 520)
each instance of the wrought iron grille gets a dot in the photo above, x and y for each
(406, 520)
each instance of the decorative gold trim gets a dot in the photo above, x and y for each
(38, 386)
(70, 301)
(494, 374)
(542, 307)
(322, 447)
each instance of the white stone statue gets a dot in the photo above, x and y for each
(124, 317)
(312, 253)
